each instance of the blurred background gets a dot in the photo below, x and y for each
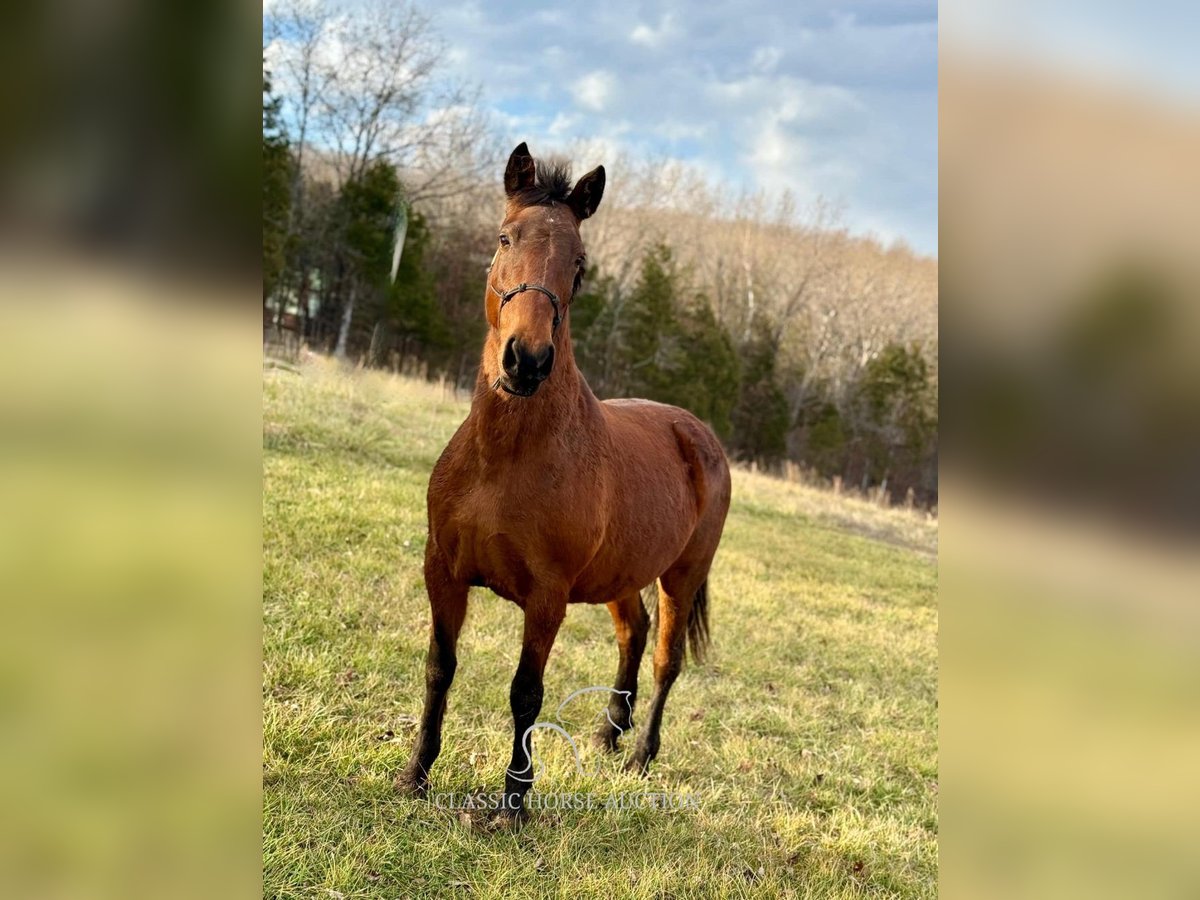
(130, 428)
(1069, 572)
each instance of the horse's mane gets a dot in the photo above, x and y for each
(551, 183)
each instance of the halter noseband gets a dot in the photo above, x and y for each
(520, 289)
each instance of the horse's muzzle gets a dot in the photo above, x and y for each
(525, 370)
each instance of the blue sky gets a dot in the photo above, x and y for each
(829, 99)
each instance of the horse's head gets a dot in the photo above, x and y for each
(537, 268)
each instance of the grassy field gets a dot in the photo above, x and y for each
(808, 742)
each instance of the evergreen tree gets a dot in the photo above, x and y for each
(825, 437)
(412, 314)
(368, 211)
(650, 332)
(363, 261)
(592, 313)
(277, 171)
(760, 416)
(677, 352)
(704, 371)
(896, 410)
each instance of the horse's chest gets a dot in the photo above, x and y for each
(511, 538)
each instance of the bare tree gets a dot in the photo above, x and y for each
(295, 35)
(363, 85)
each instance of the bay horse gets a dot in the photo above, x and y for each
(547, 496)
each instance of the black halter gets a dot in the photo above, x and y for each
(505, 296)
(521, 288)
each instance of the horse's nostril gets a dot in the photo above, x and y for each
(524, 365)
(509, 360)
(546, 363)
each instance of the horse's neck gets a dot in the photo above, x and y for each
(506, 424)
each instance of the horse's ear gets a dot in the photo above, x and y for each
(519, 173)
(585, 198)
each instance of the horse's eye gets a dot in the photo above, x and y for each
(504, 241)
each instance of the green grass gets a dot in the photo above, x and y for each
(809, 740)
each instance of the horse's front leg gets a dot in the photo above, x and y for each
(448, 606)
(542, 620)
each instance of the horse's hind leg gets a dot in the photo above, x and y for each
(631, 624)
(676, 590)
(448, 605)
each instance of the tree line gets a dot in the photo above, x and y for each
(803, 346)
(669, 345)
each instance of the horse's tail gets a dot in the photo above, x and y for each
(697, 626)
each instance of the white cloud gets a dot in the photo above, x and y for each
(563, 123)
(643, 34)
(594, 90)
(653, 37)
(518, 126)
(675, 130)
(790, 99)
(766, 59)
(774, 150)
(782, 158)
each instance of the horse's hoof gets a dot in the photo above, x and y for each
(506, 819)
(605, 739)
(638, 764)
(409, 785)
